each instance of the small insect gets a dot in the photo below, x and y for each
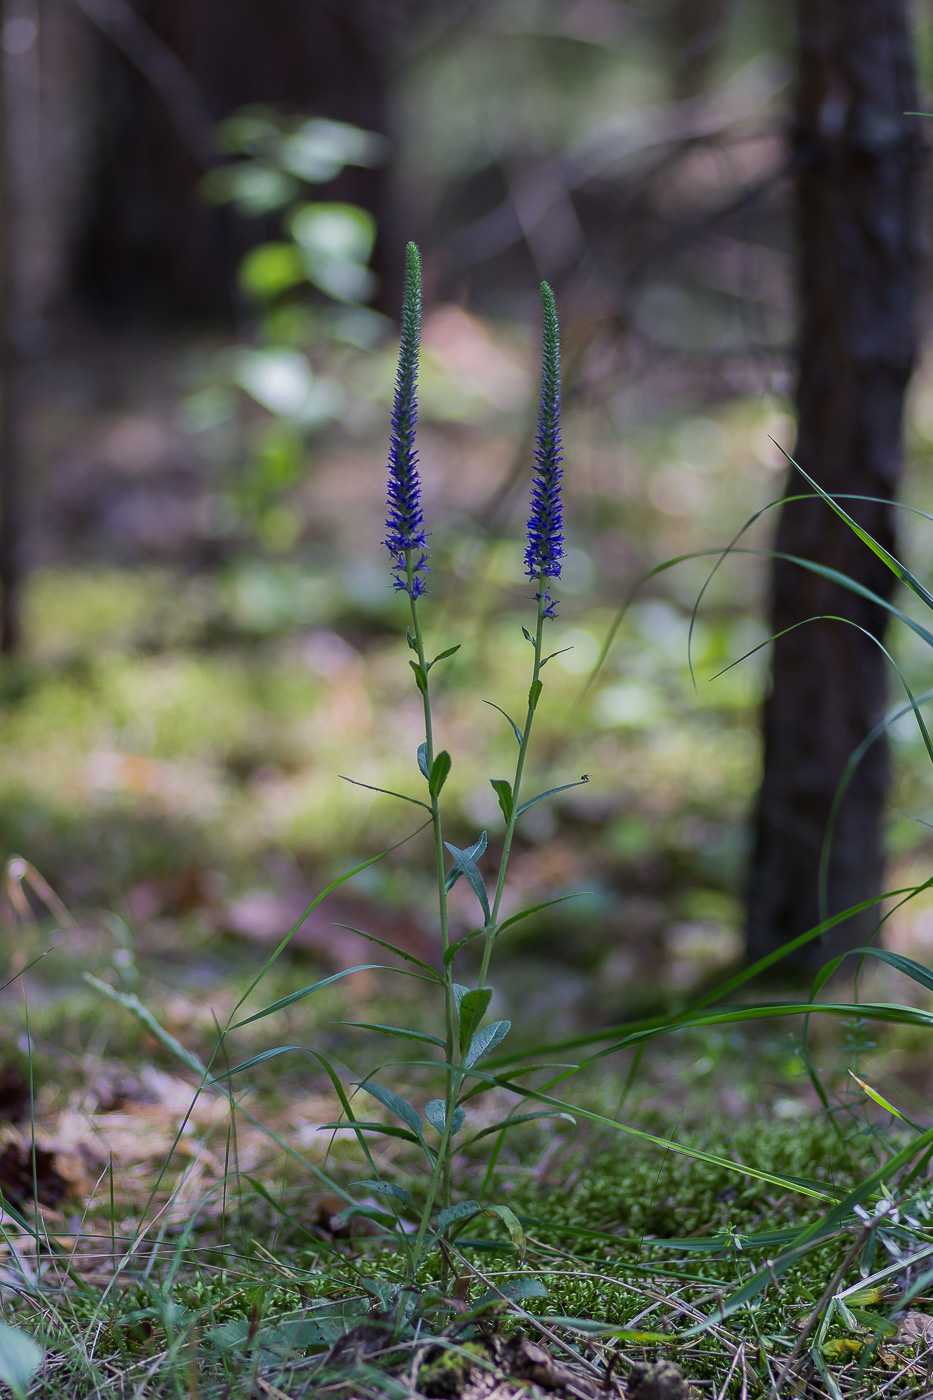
(584, 777)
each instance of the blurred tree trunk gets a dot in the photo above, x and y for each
(168, 70)
(857, 159)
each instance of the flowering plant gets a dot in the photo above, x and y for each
(468, 1037)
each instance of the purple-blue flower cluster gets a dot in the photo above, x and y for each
(545, 547)
(405, 536)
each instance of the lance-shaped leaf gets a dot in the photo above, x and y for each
(512, 1223)
(423, 759)
(434, 1111)
(393, 1030)
(456, 947)
(399, 1106)
(467, 867)
(20, 1358)
(386, 792)
(474, 852)
(486, 1040)
(305, 992)
(377, 1129)
(443, 655)
(471, 1009)
(532, 801)
(439, 770)
(463, 1210)
(515, 729)
(349, 1213)
(383, 1188)
(515, 1289)
(505, 1123)
(503, 791)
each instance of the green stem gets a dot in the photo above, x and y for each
(441, 1174)
(533, 697)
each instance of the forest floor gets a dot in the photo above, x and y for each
(194, 680)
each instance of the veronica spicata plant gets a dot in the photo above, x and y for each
(467, 1037)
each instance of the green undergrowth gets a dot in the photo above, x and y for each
(616, 1234)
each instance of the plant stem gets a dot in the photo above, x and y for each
(533, 697)
(441, 1174)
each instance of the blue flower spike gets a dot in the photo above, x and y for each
(405, 537)
(545, 547)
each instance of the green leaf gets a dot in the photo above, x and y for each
(412, 641)
(393, 1030)
(358, 1126)
(130, 1002)
(515, 729)
(527, 635)
(503, 791)
(318, 899)
(270, 269)
(462, 1211)
(534, 695)
(399, 1106)
(423, 759)
(229, 1336)
(876, 1097)
(456, 947)
(515, 1289)
(421, 676)
(392, 948)
(467, 867)
(535, 909)
(439, 770)
(434, 1112)
(911, 969)
(306, 992)
(459, 991)
(386, 792)
(546, 659)
(472, 1009)
(505, 1123)
(486, 1040)
(474, 852)
(512, 1223)
(443, 655)
(381, 1217)
(335, 242)
(532, 801)
(383, 1188)
(896, 567)
(20, 1358)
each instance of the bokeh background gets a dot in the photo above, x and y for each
(209, 209)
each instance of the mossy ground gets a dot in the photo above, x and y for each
(249, 1299)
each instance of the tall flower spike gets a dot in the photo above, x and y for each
(405, 538)
(545, 547)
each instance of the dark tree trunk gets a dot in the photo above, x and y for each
(149, 243)
(857, 161)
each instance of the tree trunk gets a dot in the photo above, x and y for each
(856, 193)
